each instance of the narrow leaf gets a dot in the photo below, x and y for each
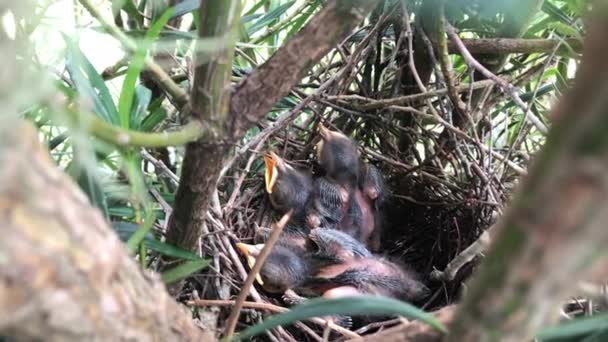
(183, 271)
(269, 17)
(575, 328)
(89, 83)
(137, 63)
(185, 7)
(365, 305)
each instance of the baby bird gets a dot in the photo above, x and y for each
(284, 268)
(332, 194)
(287, 187)
(338, 199)
(342, 267)
(333, 264)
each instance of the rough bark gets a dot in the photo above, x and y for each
(210, 97)
(64, 275)
(555, 230)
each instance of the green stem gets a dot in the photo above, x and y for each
(122, 137)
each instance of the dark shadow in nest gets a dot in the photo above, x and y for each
(427, 227)
(426, 224)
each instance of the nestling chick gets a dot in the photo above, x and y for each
(372, 196)
(284, 269)
(343, 267)
(287, 187)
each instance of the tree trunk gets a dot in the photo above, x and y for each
(64, 275)
(251, 101)
(556, 230)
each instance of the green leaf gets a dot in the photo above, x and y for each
(185, 7)
(302, 19)
(156, 116)
(183, 271)
(170, 250)
(140, 233)
(255, 7)
(126, 229)
(89, 83)
(143, 96)
(127, 93)
(125, 212)
(89, 183)
(556, 13)
(269, 17)
(365, 305)
(565, 30)
(575, 328)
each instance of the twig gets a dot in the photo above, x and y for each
(468, 254)
(500, 46)
(257, 266)
(160, 167)
(117, 136)
(375, 104)
(507, 87)
(446, 66)
(273, 308)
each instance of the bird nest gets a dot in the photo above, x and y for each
(445, 185)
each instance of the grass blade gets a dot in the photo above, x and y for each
(89, 83)
(127, 93)
(575, 328)
(269, 17)
(366, 305)
(184, 270)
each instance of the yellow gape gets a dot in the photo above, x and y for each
(251, 252)
(271, 173)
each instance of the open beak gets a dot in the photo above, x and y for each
(251, 252)
(270, 176)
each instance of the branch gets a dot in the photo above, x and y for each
(415, 331)
(447, 69)
(256, 94)
(555, 230)
(65, 276)
(210, 98)
(500, 46)
(409, 99)
(477, 248)
(120, 137)
(507, 87)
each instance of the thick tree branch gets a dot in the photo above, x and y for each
(501, 46)
(210, 98)
(256, 94)
(560, 211)
(64, 275)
